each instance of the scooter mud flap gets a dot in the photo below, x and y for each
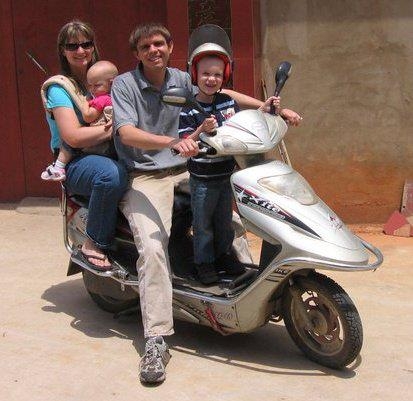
(73, 268)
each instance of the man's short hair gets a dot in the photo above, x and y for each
(147, 30)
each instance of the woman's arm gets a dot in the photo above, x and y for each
(74, 134)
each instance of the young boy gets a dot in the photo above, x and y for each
(97, 111)
(211, 193)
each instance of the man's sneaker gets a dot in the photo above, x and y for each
(153, 363)
(206, 273)
(229, 263)
(53, 173)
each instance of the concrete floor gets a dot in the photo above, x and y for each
(55, 344)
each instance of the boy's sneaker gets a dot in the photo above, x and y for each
(53, 173)
(229, 263)
(206, 273)
(154, 361)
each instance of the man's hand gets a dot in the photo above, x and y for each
(185, 147)
(291, 116)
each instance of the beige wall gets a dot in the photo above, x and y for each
(352, 81)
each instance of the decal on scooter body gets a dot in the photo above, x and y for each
(265, 206)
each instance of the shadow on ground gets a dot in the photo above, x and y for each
(268, 349)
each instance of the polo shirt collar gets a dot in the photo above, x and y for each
(143, 83)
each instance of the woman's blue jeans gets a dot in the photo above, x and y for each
(211, 203)
(104, 182)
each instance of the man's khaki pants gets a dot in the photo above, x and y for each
(148, 205)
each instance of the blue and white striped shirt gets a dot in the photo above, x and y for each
(223, 107)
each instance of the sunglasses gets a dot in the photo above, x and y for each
(71, 47)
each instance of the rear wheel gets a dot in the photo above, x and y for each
(112, 305)
(108, 294)
(322, 321)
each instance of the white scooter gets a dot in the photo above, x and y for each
(299, 233)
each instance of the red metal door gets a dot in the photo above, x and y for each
(28, 32)
(35, 26)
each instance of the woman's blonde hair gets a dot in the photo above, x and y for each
(71, 31)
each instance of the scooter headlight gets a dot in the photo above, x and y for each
(292, 185)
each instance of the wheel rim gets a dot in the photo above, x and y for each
(323, 332)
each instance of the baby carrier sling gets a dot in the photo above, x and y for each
(105, 148)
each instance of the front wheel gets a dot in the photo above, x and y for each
(322, 321)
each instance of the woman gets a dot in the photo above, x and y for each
(100, 178)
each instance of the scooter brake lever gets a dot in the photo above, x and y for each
(204, 149)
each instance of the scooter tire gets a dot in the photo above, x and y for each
(112, 305)
(107, 293)
(336, 336)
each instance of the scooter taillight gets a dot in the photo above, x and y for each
(72, 208)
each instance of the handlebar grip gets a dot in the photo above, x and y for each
(204, 149)
(272, 110)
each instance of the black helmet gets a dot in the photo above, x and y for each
(209, 40)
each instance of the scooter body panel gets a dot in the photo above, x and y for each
(304, 230)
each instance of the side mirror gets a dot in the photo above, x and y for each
(281, 75)
(181, 97)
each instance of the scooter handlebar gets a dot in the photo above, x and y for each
(204, 149)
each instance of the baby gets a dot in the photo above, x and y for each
(97, 111)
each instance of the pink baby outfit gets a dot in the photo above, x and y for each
(103, 104)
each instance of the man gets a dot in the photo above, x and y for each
(147, 130)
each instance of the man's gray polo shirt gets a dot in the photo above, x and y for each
(136, 102)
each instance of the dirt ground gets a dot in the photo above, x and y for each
(55, 344)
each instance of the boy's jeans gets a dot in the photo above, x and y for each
(211, 203)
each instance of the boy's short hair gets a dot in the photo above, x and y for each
(147, 30)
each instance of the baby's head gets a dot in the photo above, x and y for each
(100, 77)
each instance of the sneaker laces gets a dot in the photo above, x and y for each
(151, 349)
